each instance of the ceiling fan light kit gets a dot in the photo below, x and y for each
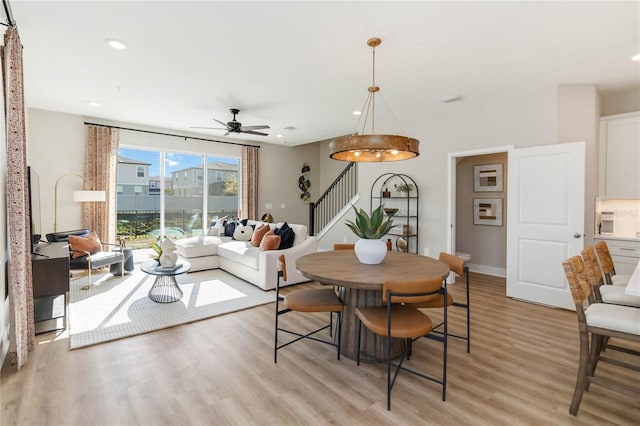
(371, 147)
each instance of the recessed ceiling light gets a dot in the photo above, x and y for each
(116, 44)
(93, 103)
(636, 58)
(279, 135)
(357, 112)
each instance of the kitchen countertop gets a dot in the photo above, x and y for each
(625, 237)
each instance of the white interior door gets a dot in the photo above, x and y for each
(545, 220)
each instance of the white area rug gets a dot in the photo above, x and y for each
(117, 307)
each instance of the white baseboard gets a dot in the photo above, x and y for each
(487, 270)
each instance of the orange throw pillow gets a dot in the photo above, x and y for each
(270, 242)
(258, 234)
(79, 245)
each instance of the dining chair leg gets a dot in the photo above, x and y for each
(359, 340)
(466, 273)
(581, 380)
(597, 342)
(389, 373)
(339, 333)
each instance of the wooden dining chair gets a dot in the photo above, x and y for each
(456, 265)
(599, 321)
(608, 267)
(306, 300)
(344, 246)
(602, 292)
(397, 319)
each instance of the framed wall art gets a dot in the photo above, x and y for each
(487, 178)
(487, 211)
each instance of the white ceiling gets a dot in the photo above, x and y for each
(306, 64)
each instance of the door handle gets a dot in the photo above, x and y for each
(577, 235)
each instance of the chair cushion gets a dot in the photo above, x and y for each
(98, 260)
(620, 279)
(614, 317)
(405, 321)
(615, 294)
(79, 245)
(313, 300)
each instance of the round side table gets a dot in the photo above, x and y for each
(165, 288)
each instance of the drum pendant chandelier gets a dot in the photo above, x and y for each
(371, 147)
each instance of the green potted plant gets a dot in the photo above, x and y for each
(404, 187)
(370, 248)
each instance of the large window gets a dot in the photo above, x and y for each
(166, 193)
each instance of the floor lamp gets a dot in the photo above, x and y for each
(78, 197)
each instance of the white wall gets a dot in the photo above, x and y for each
(527, 118)
(621, 102)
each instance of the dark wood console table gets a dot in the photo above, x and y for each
(50, 265)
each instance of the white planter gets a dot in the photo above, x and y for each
(370, 252)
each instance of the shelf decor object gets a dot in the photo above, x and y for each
(360, 146)
(487, 178)
(487, 211)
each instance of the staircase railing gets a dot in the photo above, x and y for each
(334, 199)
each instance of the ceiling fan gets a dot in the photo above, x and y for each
(235, 126)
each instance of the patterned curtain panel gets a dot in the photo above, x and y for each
(249, 183)
(100, 166)
(22, 332)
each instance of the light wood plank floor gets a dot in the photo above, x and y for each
(521, 371)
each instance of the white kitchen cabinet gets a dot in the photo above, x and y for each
(620, 156)
(624, 252)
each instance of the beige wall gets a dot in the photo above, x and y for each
(621, 102)
(486, 244)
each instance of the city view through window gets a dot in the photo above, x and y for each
(165, 194)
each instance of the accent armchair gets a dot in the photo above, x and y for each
(85, 259)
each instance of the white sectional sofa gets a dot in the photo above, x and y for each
(245, 261)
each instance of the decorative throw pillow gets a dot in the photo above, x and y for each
(229, 228)
(258, 234)
(287, 236)
(270, 242)
(79, 245)
(243, 233)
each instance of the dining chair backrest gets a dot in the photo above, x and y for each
(604, 256)
(575, 273)
(591, 266)
(344, 246)
(411, 291)
(282, 267)
(456, 264)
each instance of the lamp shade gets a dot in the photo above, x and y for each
(86, 196)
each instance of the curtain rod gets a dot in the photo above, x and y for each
(7, 10)
(168, 134)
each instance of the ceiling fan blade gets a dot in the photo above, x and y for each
(251, 132)
(220, 122)
(210, 128)
(243, 128)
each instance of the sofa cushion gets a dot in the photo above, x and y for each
(299, 230)
(241, 252)
(287, 236)
(230, 227)
(258, 234)
(270, 242)
(243, 233)
(91, 243)
(199, 246)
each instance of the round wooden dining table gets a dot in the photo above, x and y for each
(361, 286)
